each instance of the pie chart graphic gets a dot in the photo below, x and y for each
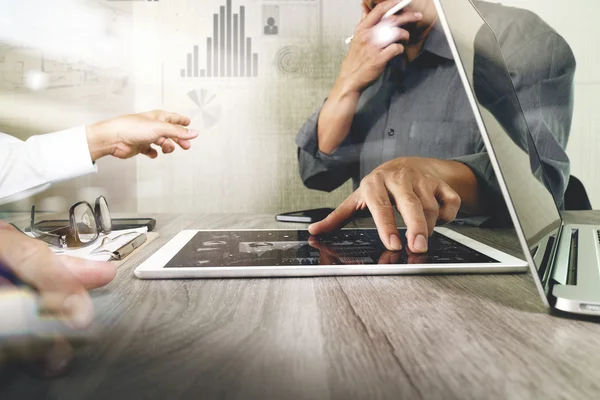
(208, 109)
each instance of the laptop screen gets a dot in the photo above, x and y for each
(501, 113)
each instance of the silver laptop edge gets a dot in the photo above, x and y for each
(565, 297)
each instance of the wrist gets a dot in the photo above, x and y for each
(345, 88)
(99, 140)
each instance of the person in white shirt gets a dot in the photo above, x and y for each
(31, 166)
(28, 167)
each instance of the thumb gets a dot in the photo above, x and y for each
(90, 274)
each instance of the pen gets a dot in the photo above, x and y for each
(128, 248)
(391, 12)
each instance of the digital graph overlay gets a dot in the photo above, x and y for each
(208, 109)
(228, 52)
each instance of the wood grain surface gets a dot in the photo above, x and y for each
(412, 337)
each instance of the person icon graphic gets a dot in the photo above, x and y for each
(271, 28)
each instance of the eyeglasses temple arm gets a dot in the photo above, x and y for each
(52, 239)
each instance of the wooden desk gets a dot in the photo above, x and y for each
(430, 337)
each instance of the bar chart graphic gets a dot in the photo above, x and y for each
(228, 52)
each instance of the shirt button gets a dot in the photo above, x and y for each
(391, 132)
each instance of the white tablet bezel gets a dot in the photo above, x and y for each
(153, 267)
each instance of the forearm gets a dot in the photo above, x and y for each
(335, 119)
(27, 168)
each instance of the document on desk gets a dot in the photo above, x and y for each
(103, 247)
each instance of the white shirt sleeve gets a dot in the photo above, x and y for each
(31, 166)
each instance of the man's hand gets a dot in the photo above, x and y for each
(425, 191)
(60, 281)
(375, 43)
(130, 135)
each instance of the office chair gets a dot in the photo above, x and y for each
(576, 198)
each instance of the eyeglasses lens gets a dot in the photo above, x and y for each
(85, 223)
(104, 215)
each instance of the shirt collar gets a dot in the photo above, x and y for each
(437, 43)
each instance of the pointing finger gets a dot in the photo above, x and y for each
(377, 199)
(338, 217)
(409, 205)
(430, 205)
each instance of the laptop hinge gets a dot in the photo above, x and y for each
(552, 262)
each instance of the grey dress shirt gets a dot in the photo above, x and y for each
(423, 111)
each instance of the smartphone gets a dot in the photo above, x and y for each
(118, 224)
(305, 216)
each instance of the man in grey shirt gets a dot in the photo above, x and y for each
(398, 123)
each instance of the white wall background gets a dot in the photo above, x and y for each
(246, 162)
(67, 63)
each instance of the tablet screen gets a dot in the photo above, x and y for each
(285, 248)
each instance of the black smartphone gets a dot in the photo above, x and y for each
(305, 216)
(118, 224)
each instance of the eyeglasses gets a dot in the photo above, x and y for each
(85, 225)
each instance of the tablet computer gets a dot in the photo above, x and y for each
(295, 253)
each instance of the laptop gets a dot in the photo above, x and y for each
(563, 256)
